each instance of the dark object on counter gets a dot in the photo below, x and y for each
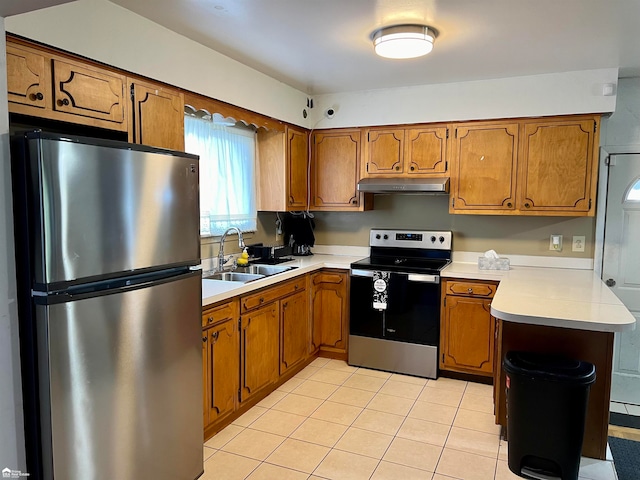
(265, 254)
(298, 232)
(547, 398)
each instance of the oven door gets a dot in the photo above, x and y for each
(412, 313)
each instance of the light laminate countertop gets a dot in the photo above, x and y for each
(556, 297)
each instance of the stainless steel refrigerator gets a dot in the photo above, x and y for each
(107, 237)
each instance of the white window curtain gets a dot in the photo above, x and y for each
(227, 175)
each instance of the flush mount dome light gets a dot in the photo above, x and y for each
(403, 41)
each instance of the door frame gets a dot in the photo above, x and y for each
(601, 203)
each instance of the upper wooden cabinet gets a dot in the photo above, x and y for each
(542, 166)
(483, 174)
(157, 115)
(335, 171)
(556, 165)
(283, 159)
(415, 151)
(49, 86)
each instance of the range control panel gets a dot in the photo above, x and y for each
(427, 239)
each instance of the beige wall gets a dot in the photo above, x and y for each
(476, 233)
(266, 234)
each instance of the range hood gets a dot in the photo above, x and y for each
(404, 185)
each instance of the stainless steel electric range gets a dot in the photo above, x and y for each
(395, 301)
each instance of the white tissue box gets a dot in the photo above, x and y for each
(493, 263)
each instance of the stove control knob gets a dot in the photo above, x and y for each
(386, 237)
(433, 239)
(441, 239)
(378, 236)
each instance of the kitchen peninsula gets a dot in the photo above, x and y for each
(562, 311)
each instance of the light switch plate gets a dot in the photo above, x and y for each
(578, 243)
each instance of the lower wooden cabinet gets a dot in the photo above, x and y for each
(220, 357)
(467, 329)
(294, 331)
(329, 311)
(258, 350)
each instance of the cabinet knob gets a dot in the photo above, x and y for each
(261, 300)
(397, 167)
(36, 96)
(527, 205)
(210, 319)
(509, 204)
(354, 201)
(215, 335)
(295, 287)
(204, 339)
(63, 102)
(470, 290)
(412, 168)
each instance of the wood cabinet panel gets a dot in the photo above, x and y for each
(467, 329)
(294, 330)
(426, 151)
(336, 171)
(259, 339)
(556, 165)
(268, 295)
(484, 172)
(220, 360)
(27, 77)
(223, 358)
(298, 168)
(157, 115)
(385, 152)
(329, 311)
(86, 91)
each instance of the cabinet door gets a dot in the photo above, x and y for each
(329, 310)
(385, 152)
(158, 116)
(259, 338)
(294, 330)
(426, 151)
(297, 169)
(27, 78)
(206, 378)
(336, 170)
(88, 92)
(557, 173)
(484, 171)
(223, 367)
(467, 335)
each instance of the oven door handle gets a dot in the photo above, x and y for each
(361, 273)
(420, 277)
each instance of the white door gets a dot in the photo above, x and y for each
(621, 269)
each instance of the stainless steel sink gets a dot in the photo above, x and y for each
(267, 269)
(235, 276)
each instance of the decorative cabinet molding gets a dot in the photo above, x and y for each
(416, 151)
(541, 166)
(28, 77)
(467, 329)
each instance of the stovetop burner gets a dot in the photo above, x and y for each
(410, 251)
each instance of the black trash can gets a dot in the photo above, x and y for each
(547, 399)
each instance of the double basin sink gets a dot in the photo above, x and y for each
(249, 273)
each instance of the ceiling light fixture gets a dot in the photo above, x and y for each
(403, 41)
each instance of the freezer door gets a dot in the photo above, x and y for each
(98, 210)
(121, 384)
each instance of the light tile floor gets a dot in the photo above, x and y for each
(625, 408)
(333, 421)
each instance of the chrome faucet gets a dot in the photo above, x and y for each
(221, 259)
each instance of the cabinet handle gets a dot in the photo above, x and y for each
(470, 290)
(412, 168)
(63, 102)
(210, 319)
(290, 200)
(509, 204)
(215, 336)
(295, 287)
(204, 339)
(354, 201)
(261, 300)
(36, 96)
(527, 205)
(285, 305)
(397, 168)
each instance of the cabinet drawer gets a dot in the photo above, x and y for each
(471, 289)
(271, 294)
(220, 313)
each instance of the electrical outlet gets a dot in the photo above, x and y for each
(578, 243)
(555, 243)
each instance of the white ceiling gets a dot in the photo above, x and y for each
(323, 46)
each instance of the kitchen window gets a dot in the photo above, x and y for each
(227, 173)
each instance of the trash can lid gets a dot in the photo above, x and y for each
(550, 367)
